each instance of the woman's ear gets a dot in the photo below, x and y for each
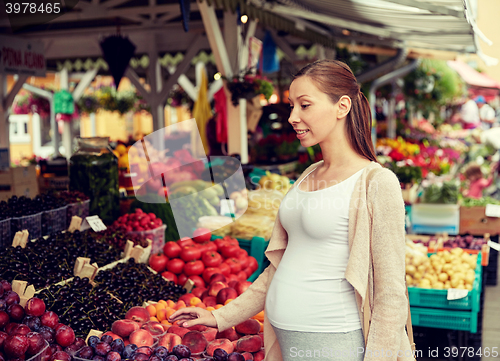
(344, 106)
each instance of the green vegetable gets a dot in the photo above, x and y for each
(446, 193)
(481, 202)
(95, 173)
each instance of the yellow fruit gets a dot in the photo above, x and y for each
(123, 161)
(443, 277)
(152, 310)
(121, 149)
(210, 308)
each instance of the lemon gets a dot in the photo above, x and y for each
(123, 161)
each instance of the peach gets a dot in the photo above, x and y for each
(226, 294)
(186, 298)
(248, 327)
(204, 294)
(261, 334)
(215, 287)
(200, 328)
(250, 343)
(138, 314)
(124, 328)
(235, 343)
(154, 328)
(247, 355)
(218, 277)
(162, 314)
(259, 355)
(141, 338)
(210, 301)
(242, 286)
(180, 331)
(222, 343)
(230, 334)
(169, 340)
(195, 341)
(197, 291)
(232, 284)
(210, 333)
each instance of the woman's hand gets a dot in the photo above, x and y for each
(191, 316)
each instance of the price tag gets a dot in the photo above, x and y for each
(494, 245)
(456, 294)
(95, 223)
(492, 210)
(227, 207)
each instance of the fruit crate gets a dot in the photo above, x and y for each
(433, 298)
(255, 247)
(157, 236)
(80, 209)
(54, 221)
(447, 319)
(5, 239)
(32, 223)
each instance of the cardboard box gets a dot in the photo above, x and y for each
(473, 220)
(23, 175)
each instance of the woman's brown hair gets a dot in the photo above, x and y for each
(336, 79)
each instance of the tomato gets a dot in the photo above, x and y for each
(211, 259)
(185, 241)
(229, 250)
(210, 246)
(202, 235)
(190, 253)
(252, 263)
(242, 275)
(182, 279)
(172, 249)
(170, 276)
(158, 262)
(208, 272)
(193, 268)
(225, 269)
(233, 264)
(242, 256)
(219, 242)
(175, 265)
(231, 240)
(198, 281)
(202, 247)
(248, 271)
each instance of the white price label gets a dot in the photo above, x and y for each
(95, 223)
(456, 294)
(494, 245)
(492, 210)
(227, 207)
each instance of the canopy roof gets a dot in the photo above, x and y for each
(425, 24)
(472, 77)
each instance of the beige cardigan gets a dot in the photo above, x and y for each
(376, 218)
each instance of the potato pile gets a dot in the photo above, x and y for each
(443, 270)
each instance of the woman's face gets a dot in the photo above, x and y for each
(312, 111)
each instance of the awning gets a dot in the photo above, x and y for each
(471, 76)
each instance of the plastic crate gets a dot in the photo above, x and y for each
(255, 248)
(157, 236)
(432, 298)
(435, 218)
(448, 319)
(5, 238)
(80, 209)
(32, 223)
(54, 220)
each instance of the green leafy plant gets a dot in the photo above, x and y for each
(246, 85)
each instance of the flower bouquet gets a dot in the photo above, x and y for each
(247, 86)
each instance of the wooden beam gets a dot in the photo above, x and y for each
(83, 84)
(135, 80)
(182, 67)
(112, 3)
(215, 39)
(9, 99)
(165, 18)
(244, 52)
(283, 45)
(231, 37)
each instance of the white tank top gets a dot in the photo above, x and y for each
(309, 291)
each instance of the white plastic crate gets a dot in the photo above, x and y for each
(435, 218)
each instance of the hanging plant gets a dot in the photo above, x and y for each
(88, 104)
(246, 86)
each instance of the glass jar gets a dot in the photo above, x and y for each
(93, 170)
